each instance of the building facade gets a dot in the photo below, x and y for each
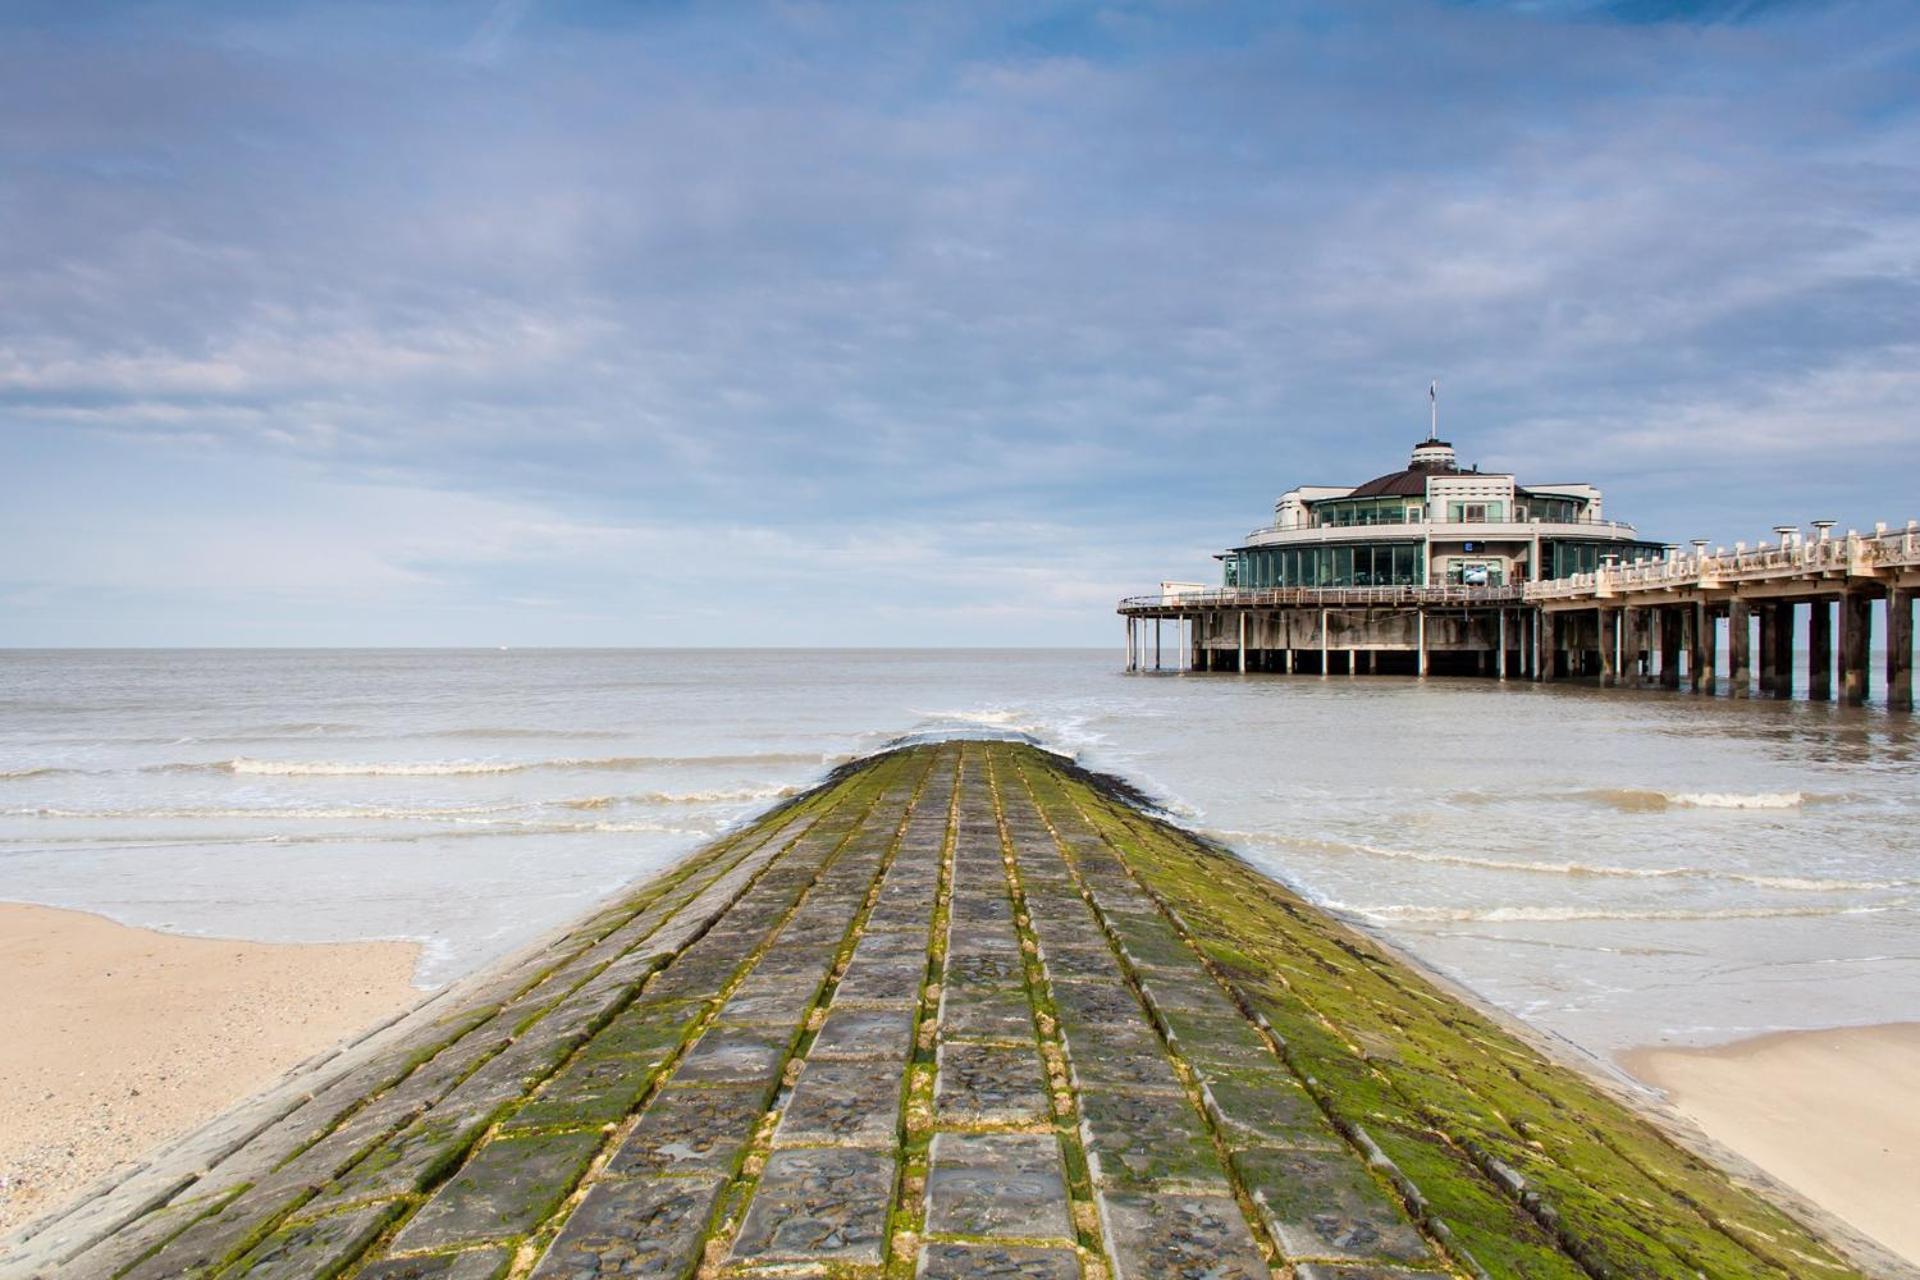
(1433, 523)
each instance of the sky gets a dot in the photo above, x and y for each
(563, 322)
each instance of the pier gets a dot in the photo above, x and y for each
(961, 1011)
(1657, 621)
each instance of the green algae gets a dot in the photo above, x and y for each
(1487, 1130)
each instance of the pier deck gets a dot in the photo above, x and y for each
(958, 1013)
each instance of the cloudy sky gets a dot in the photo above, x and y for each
(553, 321)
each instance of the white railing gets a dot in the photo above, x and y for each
(1857, 555)
(1328, 597)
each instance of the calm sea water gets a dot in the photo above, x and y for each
(1618, 867)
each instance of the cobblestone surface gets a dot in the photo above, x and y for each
(960, 1012)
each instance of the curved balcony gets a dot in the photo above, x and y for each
(1441, 530)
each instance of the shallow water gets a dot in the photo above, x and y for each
(1619, 867)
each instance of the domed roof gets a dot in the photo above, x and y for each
(1400, 484)
(1430, 457)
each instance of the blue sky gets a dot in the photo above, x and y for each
(554, 322)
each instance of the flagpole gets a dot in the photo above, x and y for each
(1433, 401)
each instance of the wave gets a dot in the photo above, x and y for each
(42, 771)
(1411, 914)
(249, 767)
(474, 829)
(1634, 800)
(314, 813)
(1799, 884)
(735, 795)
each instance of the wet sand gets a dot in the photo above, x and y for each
(118, 1039)
(1833, 1114)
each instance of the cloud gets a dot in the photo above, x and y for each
(915, 310)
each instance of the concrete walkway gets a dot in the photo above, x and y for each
(958, 1013)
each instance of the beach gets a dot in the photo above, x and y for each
(1829, 1113)
(119, 1039)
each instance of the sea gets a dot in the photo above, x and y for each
(1617, 867)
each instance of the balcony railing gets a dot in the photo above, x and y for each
(1274, 597)
(1618, 528)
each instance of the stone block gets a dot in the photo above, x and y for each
(997, 1184)
(866, 1033)
(735, 1055)
(477, 1264)
(770, 1000)
(855, 1103)
(1180, 1237)
(1324, 1204)
(990, 1084)
(505, 1190)
(1340, 1271)
(996, 1262)
(1147, 1140)
(1267, 1108)
(1068, 962)
(890, 978)
(819, 1205)
(640, 1228)
(686, 1130)
(318, 1249)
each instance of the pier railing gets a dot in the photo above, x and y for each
(1856, 555)
(1328, 597)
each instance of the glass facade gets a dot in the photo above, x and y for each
(1371, 564)
(1552, 510)
(1561, 558)
(1476, 512)
(1352, 511)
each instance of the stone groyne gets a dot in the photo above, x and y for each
(962, 1011)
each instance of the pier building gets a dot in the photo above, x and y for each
(1444, 569)
(1432, 523)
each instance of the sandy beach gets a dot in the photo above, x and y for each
(1829, 1113)
(119, 1038)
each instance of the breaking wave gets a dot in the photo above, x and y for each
(1410, 914)
(1633, 800)
(1799, 884)
(249, 767)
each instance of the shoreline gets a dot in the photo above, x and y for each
(123, 1038)
(1826, 1113)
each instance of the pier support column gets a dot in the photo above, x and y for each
(1820, 650)
(1500, 664)
(1705, 645)
(1542, 645)
(1776, 649)
(1323, 644)
(1633, 643)
(1900, 648)
(1129, 644)
(1670, 623)
(1289, 661)
(1786, 624)
(1856, 622)
(1243, 644)
(1421, 663)
(1739, 649)
(1607, 622)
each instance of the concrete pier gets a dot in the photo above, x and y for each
(1625, 623)
(960, 1012)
